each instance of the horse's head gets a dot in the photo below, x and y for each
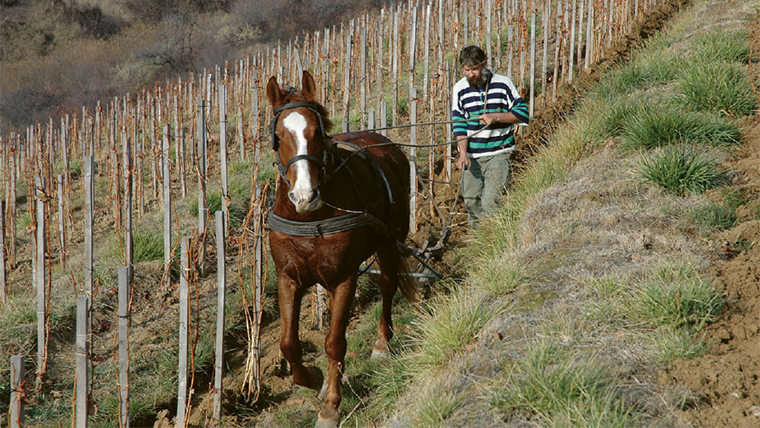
(299, 139)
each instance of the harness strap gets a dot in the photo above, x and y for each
(363, 152)
(320, 228)
(284, 168)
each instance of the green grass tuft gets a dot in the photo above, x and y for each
(554, 383)
(436, 408)
(662, 125)
(669, 345)
(730, 46)
(713, 216)
(716, 87)
(450, 326)
(680, 170)
(677, 297)
(147, 246)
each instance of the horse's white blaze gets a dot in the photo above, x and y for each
(295, 123)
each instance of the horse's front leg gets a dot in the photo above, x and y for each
(289, 296)
(335, 347)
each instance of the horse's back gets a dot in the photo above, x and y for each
(395, 169)
(381, 146)
(389, 156)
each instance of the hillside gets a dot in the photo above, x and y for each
(57, 57)
(585, 239)
(550, 286)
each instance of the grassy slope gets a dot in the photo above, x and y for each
(553, 284)
(589, 279)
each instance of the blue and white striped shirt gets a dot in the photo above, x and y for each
(499, 96)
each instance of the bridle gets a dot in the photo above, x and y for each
(276, 142)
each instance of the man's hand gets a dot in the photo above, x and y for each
(489, 118)
(463, 162)
(503, 117)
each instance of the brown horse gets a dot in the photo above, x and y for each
(340, 199)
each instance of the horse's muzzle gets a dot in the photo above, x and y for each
(305, 201)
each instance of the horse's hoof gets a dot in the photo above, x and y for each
(324, 423)
(380, 355)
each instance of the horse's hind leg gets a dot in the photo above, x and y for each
(341, 298)
(289, 297)
(390, 264)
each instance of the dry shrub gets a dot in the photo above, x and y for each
(94, 22)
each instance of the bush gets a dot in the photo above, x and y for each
(158, 10)
(680, 170)
(94, 23)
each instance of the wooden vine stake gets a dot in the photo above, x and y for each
(124, 291)
(40, 278)
(89, 204)
(167, 191)
(413, 160)
(223, 151)
(61, 222)
(184, 318)
(18, 392)
(82, 360)
(253, 321)
(11, 209)
(363, 76)
(202, 170)
(571, 65)
(258, 302)
(3, 285)
(347, 80)
(221, 296)
(128, 241)
(449, 130)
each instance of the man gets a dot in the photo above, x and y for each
(485, 107)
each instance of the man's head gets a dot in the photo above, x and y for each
(473, 62)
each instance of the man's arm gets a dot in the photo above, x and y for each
(504, 117)
(462, 161)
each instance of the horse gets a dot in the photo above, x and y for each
(339, 200)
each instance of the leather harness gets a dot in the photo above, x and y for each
(335, 149)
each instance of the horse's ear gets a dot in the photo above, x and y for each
(273, 92)
(308, 87)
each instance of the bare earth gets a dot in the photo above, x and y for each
(726, 379)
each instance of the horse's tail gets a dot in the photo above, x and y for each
(407, 284)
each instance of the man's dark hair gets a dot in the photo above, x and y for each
(472, 56)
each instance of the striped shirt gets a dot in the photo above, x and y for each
(500, 95)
